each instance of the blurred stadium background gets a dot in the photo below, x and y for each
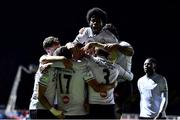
(152, 27)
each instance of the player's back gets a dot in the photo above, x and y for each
(72, 89)
(106, 36)
(48, 80)
(125, 62)
(105, 72)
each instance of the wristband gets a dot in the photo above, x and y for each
(54, 111)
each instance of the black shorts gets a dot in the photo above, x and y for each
(41, 114)
(76, 117)
(98, 111)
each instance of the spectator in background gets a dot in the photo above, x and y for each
(153, 91)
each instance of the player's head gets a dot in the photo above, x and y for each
(101, 52)
(96, 19)
(150, 65)
(63, 51)
(113, 55)
(50, 44)
(75, 48)
(77, 51)
(110, 27)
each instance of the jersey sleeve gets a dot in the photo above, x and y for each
(42, 57)
(88, 74)
(124, 74)
(81, 37)
(84, 36)
(163, 85)
(46, 77)
(123, 43)
(58, 64)
(138, 85)
(106, 36)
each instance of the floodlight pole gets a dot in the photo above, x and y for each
(13, 96)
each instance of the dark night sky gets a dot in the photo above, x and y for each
(152, 27)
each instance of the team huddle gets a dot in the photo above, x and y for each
(77, 80)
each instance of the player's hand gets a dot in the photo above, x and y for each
(110, 46)
(59, 114)
(88, 46)
(102, 88)
(45, 67)
(81, 30)
(114, 84)
(43, 61)
(86, 106)
(70, 45)
(90, 51)
(67, 63)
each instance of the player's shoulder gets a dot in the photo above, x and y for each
(116, 66)
(85, 29)
(79, 64)
(160, 77)
(142, 78)
(124, 43)
(42, 57)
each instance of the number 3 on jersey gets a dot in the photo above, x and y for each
(106, 77)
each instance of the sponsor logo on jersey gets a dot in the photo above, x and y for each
(65, 99)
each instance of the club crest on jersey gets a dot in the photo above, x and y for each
(65, 99)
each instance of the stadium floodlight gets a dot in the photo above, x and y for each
(10, 108)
